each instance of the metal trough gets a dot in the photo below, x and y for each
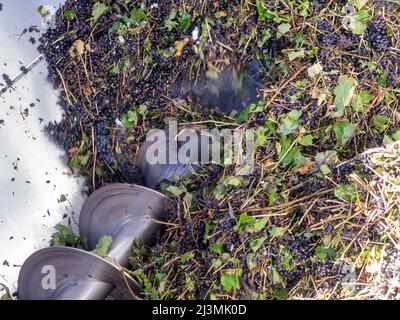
(33, 171)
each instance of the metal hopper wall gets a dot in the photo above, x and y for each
(33, 170)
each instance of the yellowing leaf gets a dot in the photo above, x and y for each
(233, 182)
(315, 70)
(356, 26)
(175, 191)
(344, 92)
(293, 55)
(221, 14)
(43, 11)
(77, 49)
(283, 29)
(179, 45)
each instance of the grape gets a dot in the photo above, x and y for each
(378, 35)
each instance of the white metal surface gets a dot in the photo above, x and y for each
(33, 171)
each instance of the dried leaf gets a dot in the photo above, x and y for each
(306, 168)
(315, 70)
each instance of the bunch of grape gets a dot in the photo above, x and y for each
(378, 35)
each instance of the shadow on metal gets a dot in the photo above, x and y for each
(125, 212)
(195, 145)
(79, 275)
